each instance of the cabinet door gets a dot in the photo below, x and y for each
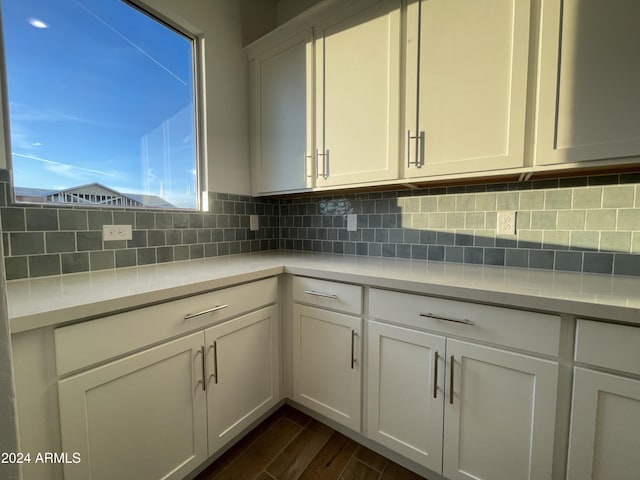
(466, 88)
(405, 393)
(327, 363)
(499, 419)
(357, 96)
(242, 373)
(282, 98)
(142, 417)
(589, 75)
(605, 427)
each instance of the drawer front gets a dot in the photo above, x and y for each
(84, 344)
(534, 332)
(327, 294)
(608, 345)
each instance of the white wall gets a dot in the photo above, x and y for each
(287, 9)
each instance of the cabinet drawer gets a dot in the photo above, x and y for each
(608, 345)
(535, 332)
(327, 294)
(84, 344)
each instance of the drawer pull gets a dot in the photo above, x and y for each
(454, 320)
(451, 381)
(320, 294)
(353, 348)
(204, 375)
(204, 312)
(435, 376)
(215, 361)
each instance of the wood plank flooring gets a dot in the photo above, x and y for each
(290, 445)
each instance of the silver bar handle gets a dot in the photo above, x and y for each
(320, 294)
(454, 320)
(421, 139)
(325, 163)
(306, 165)
(204, 312)
(420, 142)
(215, 361)
(435, 376)
(353, 348)
(451, 381)
(204, 375)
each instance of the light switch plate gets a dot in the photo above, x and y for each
(253, 222)
(507, 222)
(116, 232)
(352, 222)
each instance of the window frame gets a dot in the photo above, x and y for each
(199, 110)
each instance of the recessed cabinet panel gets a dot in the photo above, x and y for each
(500, 414)
(141, 417)
(357, 96)
(281, 106)
(589, 75)
(467, 67)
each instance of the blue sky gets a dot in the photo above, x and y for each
(98, 92)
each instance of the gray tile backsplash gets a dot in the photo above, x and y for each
(581, 224)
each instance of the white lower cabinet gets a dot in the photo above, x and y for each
(160, 413)
(327, 365)
(142, 417)
(460, 408)
(605, 413)
(243, 373)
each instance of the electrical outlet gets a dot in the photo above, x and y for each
(507, 223)
(352, 222)
(253, 222)
(116, 232)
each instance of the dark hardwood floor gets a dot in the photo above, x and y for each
(289, 445)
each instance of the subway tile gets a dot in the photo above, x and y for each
(428, 237)
(635, 242)
(156, 238)
(544, 220)
(625, 264)
(411, 236)
(486, 202)
(523, 220)
(411, 205)
(603, 180)
(455, 220)
(558, 199)
(446, 203)
(437, 220)
(556, 240)
(464, 238)
(473, 255)
(403, 251)
(164, 254)
(531, 200)
(145, 221)
(98, 218)
(28, 243)
(75, 262)
(146, 256)
(507, 242)
(619, 242)
(171, 237)
(388, 250)
(484, 238)
(138, 239)
(382, 206)
(419, 252)
(13, 219)
(445, 238)
(362, 248)
(541, 259)
(73, 220)
(618, 197)
(569, 261)
(211, 250)
(597, 262)
(435, 253)
(586, 240)
(395, 235)
(574, 182)
(58, 242)
(545, 184)
(516, 257)
(163, 221)
(16, 267)
(44, 265)
(102, 260)
(126, 258)
(629, 219)
(507, 200)
(196, 220)
(454, 254)
(474, 220)
(375, 221)
(494, 256)
(191, 236)
(465, 203)
(587, 198)
(88, 241)
(124, 218)
(602, 220)
(633, 177)
(42, 219)
(375, 249)
(389, 220)
(530, 239)
(571, 219)
(429, 204)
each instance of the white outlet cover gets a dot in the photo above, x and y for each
(253, 222)
(506, 223)
(116, 232)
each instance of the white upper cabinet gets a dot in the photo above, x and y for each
(357, 95)
(466, 85)
(281, 103)
(589, 94)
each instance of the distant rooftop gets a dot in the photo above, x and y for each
(90, 194)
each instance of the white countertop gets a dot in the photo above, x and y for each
(41, 302)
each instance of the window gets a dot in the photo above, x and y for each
(102, 105)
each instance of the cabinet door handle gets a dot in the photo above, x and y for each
(435, 376)
(325, 163)
(353, 348)
(306, 166)
(204, 375)
(204, 312)
(215, 362)
(420, 139)
(320, 294)
(451, 381)
(454, 320)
